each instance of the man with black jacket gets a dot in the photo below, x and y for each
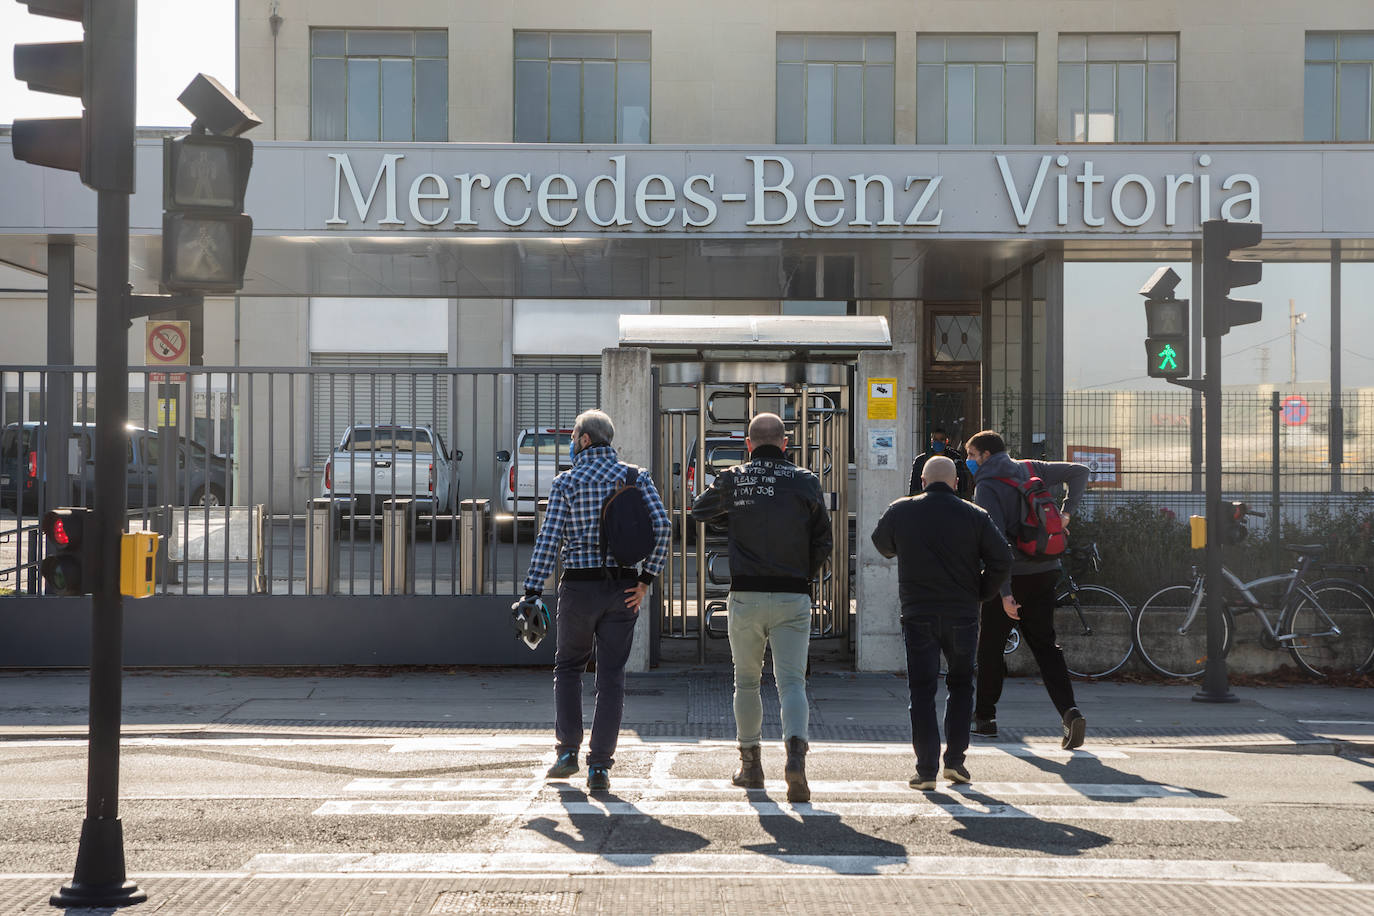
(939, 445)
(950, 556)
(779, 531)
(1027, 600)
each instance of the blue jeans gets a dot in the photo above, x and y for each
(926, 637)
(781, 620)
(592, 617)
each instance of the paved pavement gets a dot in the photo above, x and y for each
(422, 792)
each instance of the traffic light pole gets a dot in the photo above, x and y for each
(1215, 685)
(100, 878)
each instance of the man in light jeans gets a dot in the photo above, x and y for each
(779, 531)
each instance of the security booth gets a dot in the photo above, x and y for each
(709, 377)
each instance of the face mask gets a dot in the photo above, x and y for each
(572, 447)
(937, 447)
(971, 465)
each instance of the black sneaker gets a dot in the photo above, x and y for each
(958, 775)
(922, 783)
(598, 779)
(983, 728)
(564, 766)
(1075, 726)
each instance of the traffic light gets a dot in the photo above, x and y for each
(1167, 345)
(70, 565)
(205, 233)
(1221, 274)
(100, 70)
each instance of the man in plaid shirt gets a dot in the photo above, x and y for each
(597, 603)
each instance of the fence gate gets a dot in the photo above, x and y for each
(701, 431)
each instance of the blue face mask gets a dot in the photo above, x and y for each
(971, 465)
(936, 447)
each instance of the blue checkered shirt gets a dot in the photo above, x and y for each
(573, 520)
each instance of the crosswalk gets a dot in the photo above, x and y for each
(557, 828)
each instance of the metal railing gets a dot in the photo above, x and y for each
(225, 461)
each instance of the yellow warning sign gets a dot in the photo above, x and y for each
(882, 399)
(166, 411)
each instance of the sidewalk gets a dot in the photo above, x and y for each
(679, 702)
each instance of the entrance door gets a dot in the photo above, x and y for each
(951, 398)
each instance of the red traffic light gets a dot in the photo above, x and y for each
(68, 567)
(59, 533)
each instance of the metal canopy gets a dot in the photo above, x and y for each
(774, 337)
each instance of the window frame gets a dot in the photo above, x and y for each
(346, 56)
(1337, 61)
(944, 64)
(1115, 62)
(550, 59)
(805, 61)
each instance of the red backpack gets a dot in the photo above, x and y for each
(1040, 531)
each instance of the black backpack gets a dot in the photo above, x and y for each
(627, 531)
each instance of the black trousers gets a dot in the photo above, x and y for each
(592, 618)
(927, 637)
(1035, 594)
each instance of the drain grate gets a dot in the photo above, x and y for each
(499, 903)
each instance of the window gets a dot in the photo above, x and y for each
(1118, 87)
(378, 84)
(835, 89)
(582, 87)
(1337, 93)
(975, 89)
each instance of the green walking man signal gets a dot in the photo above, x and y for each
(1166, 327)
(1167, 361)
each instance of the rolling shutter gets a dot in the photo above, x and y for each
(547, 395)
(389, 395)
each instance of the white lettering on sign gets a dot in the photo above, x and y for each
(775, 196)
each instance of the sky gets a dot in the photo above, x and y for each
(176, 40)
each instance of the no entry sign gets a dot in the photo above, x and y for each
(1293, 410)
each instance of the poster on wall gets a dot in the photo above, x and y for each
(1104, 463)
(882, 448)
(882, 399)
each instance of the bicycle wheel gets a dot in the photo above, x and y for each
(1331, 631)
(1094, 627)
(1168, 641)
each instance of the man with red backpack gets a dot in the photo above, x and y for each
(1016, 495)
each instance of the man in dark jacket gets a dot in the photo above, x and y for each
(1027, 600)
(939, 445)
(779, 529)
(950, 557)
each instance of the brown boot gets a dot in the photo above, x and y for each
(795, 770)
(750, 772)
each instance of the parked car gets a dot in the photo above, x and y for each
(541, 454)
(373, 464)
(201, 474)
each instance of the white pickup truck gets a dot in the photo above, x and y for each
(373, 464)
(541, 454)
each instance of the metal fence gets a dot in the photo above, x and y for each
(230, 465)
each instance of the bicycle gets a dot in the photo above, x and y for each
(1327, 625)
(1091, 622)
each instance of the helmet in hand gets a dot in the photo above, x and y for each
(531, 620)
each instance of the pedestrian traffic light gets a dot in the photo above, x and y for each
(1167, 345)
(70, 565)
(205, 233)
(100, 70)
(1221, 274)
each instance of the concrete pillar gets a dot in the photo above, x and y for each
(626, 394)
(905, 328)
(878, 642)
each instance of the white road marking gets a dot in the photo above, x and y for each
(432, 743)
(662, 808)
(1335, 722)
(818, 787)
(662, 766)
(1156, 870)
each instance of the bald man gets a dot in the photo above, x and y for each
(779, 539)
(950, 558)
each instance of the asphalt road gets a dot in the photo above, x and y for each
(327, 805)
